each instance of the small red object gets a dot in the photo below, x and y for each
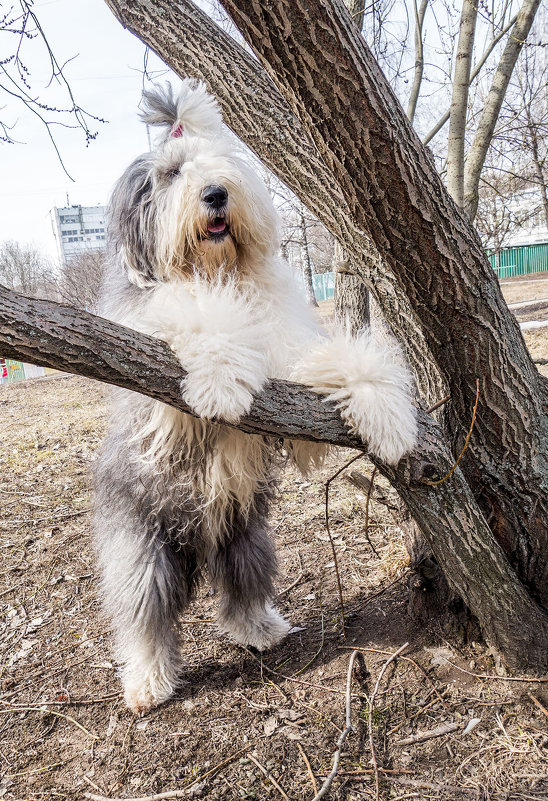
(176, 130)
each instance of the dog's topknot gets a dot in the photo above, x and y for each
(194, 109)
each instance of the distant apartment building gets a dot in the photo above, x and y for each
(78, 229)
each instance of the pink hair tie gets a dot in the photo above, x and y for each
(176, 130)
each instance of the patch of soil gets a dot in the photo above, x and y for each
(242, 726)
(525, 287)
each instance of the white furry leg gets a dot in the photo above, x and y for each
(260, 626)
(371, 387)
(151, 675)
(146, 585)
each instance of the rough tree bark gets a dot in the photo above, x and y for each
(351, 295)
(352, 308)
(433, 282)
(50, 334)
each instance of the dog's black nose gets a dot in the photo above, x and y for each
(215, 196)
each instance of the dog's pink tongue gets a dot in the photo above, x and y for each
(216, 227)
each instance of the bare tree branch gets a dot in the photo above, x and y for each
(419, 58)
(459, 102)
(484, 133)
(475, 72)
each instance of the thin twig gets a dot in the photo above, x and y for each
(290, 678)
(413, 716)
(367, 502)
(407, 659)
(369, 771)
(68, 702)
(340, 742)
(537, 703)
(292, 585)
(335, 560)
(390, 659)
(466, 441)
(269, 776)
(308, 767)
(438, 404)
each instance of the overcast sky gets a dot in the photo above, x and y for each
(106, 78)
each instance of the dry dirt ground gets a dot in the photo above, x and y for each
(242, 726)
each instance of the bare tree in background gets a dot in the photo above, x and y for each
(26, 270)
(81, 278)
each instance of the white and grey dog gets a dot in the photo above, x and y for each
(194, 240)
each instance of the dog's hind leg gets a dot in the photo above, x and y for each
(146, 585)
(242, 566)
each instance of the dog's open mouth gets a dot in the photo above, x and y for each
(217, 228)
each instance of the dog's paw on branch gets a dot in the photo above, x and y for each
(55, 335)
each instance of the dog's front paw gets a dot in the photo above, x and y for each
(370, 384)
(223, 375)
(225, 399)
(385, 421)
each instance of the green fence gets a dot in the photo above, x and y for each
(520, 260)
(324, 286)
(506, 263)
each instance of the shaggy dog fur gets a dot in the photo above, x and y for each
(194, 238)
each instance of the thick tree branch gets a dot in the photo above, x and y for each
(60, 336)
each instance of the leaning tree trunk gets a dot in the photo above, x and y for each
(397, 197)
(348, 152)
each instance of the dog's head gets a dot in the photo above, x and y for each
(195, 203)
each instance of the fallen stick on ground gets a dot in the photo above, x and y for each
(324, 789)
(269, 776)
(447, 728)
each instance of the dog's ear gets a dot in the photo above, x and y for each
(132, 222)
